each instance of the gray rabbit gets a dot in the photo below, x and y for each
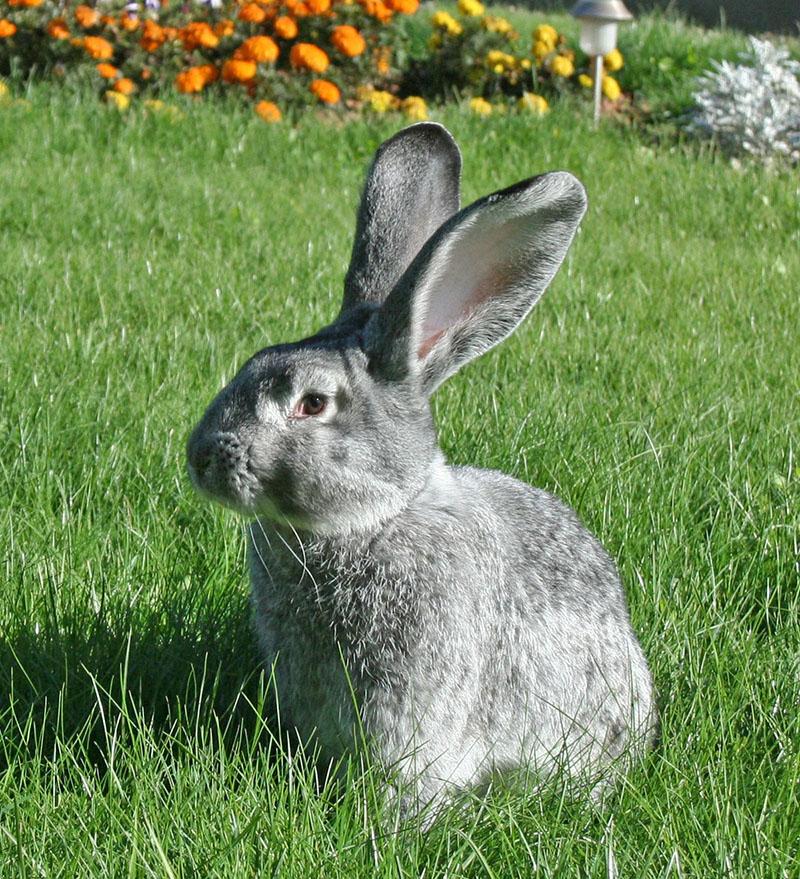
(459, 621)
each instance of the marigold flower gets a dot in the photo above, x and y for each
(348, 40)
(532, 103)
(129, 23)
(307, 56)
(325, 90)
(541, 50)
(285, 27)
(470, 7)
(125, 86)
(546, 34)
(252, 13)
(224, 27)
(318, 7)
(377, 9)
(444, 21)
(118, 100)
(404, 7)
(57, 29)
(97, 48)
(382, 57)
(195, 79)
(86, 16)
(585, 80)
(153, 36)
(298, 8)
(237, 70)
(611, 88)
(613, 61)
(480, 106)
(268, 111)
(562, 66)
(107, 71)
(108, 20)
(261, 49)
(497, 58)
(379, 101)
(7, 28)
(496, 25)
(415, 108)
(198, 34)
(27, 3)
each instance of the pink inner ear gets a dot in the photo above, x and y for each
(494, 282)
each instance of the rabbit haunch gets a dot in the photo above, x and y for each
(462, 620)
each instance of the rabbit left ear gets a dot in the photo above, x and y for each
(412, 187)
(475, 280)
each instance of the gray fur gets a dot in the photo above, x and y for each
(479, 624)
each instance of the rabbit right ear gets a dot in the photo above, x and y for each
(412, 187)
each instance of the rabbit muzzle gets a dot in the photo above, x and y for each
(219, 467)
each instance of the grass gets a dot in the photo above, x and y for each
(654, 389)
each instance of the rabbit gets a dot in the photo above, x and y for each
(455, 621)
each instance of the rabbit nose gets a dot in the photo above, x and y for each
(200, 457)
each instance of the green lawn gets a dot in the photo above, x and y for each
(655, 389)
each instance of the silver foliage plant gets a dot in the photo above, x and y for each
(752, 107)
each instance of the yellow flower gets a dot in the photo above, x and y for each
(611, 88)
(525, 63)
(470, 7)
(541, 50)
(415, 108)
(561, 66)
(546, 34)
(480, 106)
(496, 25)
(613, 61)
(532, 103)
(118, 100)
(497, 58)
(3, 90)
(444, 21)
(382, 101)
(585, 80)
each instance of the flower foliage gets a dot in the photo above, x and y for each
(753, 107)
(480, 55)
(270, 52)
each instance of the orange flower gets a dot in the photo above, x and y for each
(307, 56)
(318, 7)
(171, 33)
(377, 9)
(405, 7)
(298, 8)
(268, 111)
(7, 28)
(125, 86)
(285, 27)
(28, 3)
(224, 27)
(86, 16)
(263, 50)
(57, 29)
(153, 36)
(129, 23)
(253, 13)
(108, 20)
(195, 79)
(237, 70)
(348, 40)
(107, 71)
(325, 90)
(98, 48)
(382, 56)
(197, 34)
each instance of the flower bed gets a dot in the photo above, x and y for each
(291, 54)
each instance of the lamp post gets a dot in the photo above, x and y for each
(599, 20)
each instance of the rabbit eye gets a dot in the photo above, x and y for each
(311, 404)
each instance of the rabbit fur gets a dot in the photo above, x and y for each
(456, 619)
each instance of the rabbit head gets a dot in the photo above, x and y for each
(334, 433)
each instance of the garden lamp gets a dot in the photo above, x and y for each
(599, 20)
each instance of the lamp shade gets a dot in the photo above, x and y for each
(599, 19)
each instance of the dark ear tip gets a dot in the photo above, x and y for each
(427, 137)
